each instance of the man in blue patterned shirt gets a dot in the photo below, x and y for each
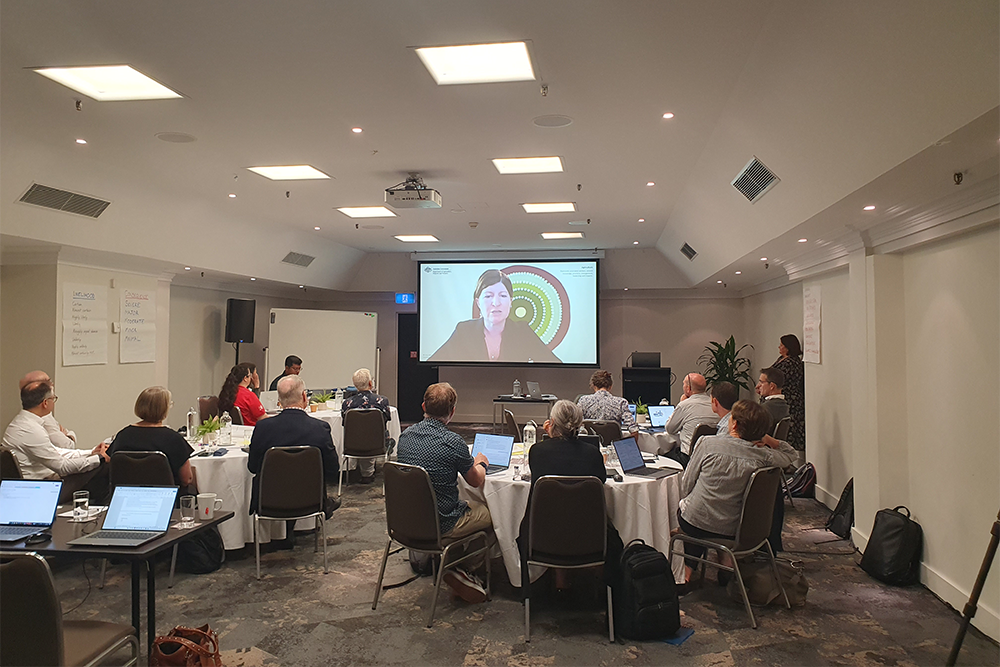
(444, 455)
(602, 404)
(367, 398)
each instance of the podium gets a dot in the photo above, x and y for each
(650, 384)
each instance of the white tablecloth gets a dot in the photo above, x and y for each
(639, 508)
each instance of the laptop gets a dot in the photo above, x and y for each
(534, 391)
(631, 408)
(631, 461)
(136, 515)
(658, 416)
(497, 449)
(269, 399)
(27, 507)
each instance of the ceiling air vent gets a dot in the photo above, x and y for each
(755, 180)
(64, 200)
(298, 259)
(688, 251)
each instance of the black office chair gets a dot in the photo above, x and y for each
(32, 629)
(511, 426)
(567, 528)
(702, 430)
(9, 468)
(412, 520)
(291, 488)
(609, 431)
(364, 438)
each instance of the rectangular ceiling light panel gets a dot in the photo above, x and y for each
(294, 172)
(417, 238)
(367, 212)
(109, 83)
(478, 63)
(528, 165)
(550, 207)
(558, 236)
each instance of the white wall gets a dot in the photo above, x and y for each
(769, 316)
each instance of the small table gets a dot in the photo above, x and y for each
(548, 399)
(64, 530)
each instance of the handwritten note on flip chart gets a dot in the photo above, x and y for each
(812, 310)
(84, 325)
(137, 339)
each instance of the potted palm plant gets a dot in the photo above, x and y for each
(723, 362)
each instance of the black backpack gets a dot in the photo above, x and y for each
(893, 551)
(803, 482)
(645, 597)
(842, 519)
(201, 553)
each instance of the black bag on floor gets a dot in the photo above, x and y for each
(893, 551)
(201, 553)
(803, 482)
(645, 597)
(842, 519)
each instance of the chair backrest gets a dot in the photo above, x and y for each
(781, 428)
(567, 520)
(411, 507)
(208, 407)
(237, 416)
(511, 424)
(758, 508)
(140, 469)
(608, 430)
(9, 468)
(291, 482)
(31, 618)
(703, 429)
(364, 432)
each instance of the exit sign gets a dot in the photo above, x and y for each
(405, 297)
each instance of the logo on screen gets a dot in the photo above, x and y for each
(539, 299)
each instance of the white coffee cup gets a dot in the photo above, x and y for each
(207, 504)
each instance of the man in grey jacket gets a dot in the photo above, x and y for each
(769, 389)
(694, 409)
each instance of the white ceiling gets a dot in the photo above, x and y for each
(844, 101)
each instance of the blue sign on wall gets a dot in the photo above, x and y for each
(405, 297)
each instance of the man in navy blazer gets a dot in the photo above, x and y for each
(289, 428)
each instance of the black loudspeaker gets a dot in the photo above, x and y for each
(239, 320)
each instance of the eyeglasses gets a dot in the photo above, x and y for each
(52, 398)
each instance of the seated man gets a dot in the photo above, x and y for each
(293, 366)
(40, 458)
(716, 478)
(602, 404)
(289, 428)
(58, 434)
(724, 394)
(444, 455)
(367, 398)
(769, 389)
(694, 409)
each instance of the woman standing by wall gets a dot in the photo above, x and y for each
(790, 363)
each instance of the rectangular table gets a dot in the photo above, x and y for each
(522, 400)
(64, 530)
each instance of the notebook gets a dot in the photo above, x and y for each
(27, 507)
(496, 448)
(631, 461)
(136, 515)
(658, 416)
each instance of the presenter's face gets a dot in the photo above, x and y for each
(494, 303)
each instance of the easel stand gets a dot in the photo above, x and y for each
(970, 607)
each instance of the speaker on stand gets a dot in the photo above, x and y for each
(239, 322)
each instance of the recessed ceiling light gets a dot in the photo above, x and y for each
(550, 207)
(232, 195)
(302, 286)
(559, 236)
(528, 165)
(635, 243)
(870, 207)
(367, 212)
(294, 172)
(763, 259)
(626, 289)
(668, 115)
(478, 63)
(356, 130)
(81, 141)
(316, 228)
(803, 240)
(109, 83)
(650, 184)
(719, 281)
(417, 238)
(187, 268)
(739, 273)
(642, 219)
(253, 279)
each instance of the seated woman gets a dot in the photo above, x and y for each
(602, 404)
(150, 435)
(716, 478)
(563, 453)
(236, 395)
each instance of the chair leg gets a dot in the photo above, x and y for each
(173, 567)
(784, 486)
(316, 534)
(256, 543)
(777, 575)
(381, 573)
(322, 525)
(104, 570)
(340, 478)
(611, 619)
(489, 592)
(437, 587)
(743, 591)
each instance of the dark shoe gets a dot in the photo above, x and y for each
(465, 585)
(723, 577)
(331, 506)
(368, 479)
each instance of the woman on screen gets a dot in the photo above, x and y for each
(492, 337)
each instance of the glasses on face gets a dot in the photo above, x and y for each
(52, 398)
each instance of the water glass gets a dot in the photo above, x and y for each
(81, 505)
(187, 511)
(517, 473)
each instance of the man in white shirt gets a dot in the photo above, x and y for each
(58, 434)
(39, 457)
(694, 409)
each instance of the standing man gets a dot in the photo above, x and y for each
(293, 366)
(694, 409)
(769, 388)
(367, 398)
(444, 455)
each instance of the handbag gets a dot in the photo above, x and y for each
(761, 587)
(186, 647)
(893, 551)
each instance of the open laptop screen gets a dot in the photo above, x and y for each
(497, 448)
(27, 502)
(141, 508)
(659, 414)
(628, 454)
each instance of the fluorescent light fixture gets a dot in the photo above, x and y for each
(109, 83)
(551, 207)
(478, 63)
(367, 212)
(870, 207)
(293, 172)
(557, 236)
(528, 165)
(417, 238)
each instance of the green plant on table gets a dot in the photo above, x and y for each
(208, 426)
(321, 397)
(640, 407)
(724, 362)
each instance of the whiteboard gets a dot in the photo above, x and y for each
(332, 344)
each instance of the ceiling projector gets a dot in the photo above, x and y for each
(412, 193)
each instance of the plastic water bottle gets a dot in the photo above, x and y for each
(339, 397)
(192, 423)
(529, 436)
(226, 432)
(517, 388)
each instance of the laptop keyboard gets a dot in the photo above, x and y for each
(15, 530)
(120, 535)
